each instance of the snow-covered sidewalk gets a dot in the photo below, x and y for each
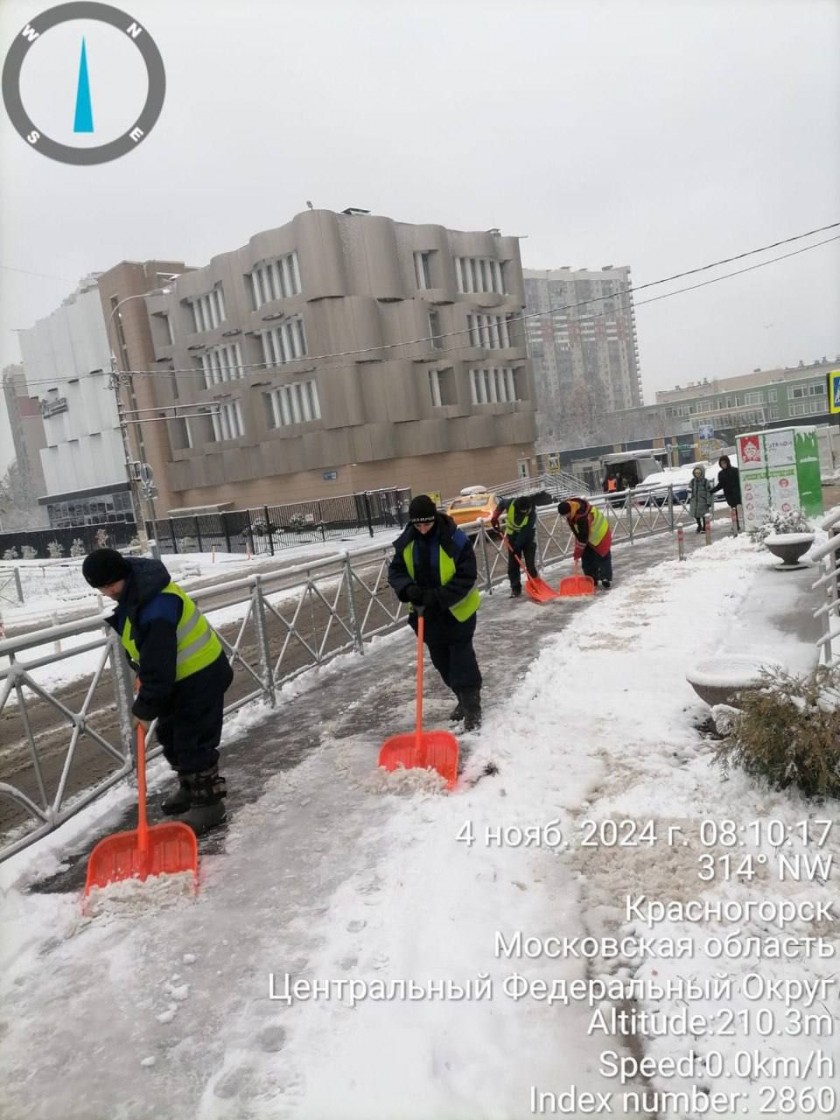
(365, 949)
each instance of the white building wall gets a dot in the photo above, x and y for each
(67, 355)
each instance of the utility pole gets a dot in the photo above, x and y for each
(119, 380)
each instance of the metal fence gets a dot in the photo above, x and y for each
(64, 744)
(267, 530)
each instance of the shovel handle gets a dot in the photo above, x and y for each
(420, 631)
(142, 823)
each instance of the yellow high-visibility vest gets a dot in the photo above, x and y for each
(465, 608)
(198, 643)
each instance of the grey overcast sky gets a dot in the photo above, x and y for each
(662, 134)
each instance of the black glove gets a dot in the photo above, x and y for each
(429, 597)
(414, 593)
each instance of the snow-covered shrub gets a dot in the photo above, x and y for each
(793, 522)
(11, 554)
(55, 550)
(788, 732)
(101, 538)
(28, 552)
(77, 548)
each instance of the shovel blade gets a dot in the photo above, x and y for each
(437, 750)
(170, 848)
(539, 590)
(576, 585)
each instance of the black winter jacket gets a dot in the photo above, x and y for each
(154, 619)
(729, 481)
(455, 543)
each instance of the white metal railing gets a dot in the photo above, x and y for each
(827, 555)
(287, 620)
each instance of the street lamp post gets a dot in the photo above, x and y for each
(118, 378)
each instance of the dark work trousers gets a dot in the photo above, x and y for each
(529, 554)
(450, 645)
(191, 729)
(598, 567)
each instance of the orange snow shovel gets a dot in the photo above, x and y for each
(536, 588)
(576, 585)
(162, 849)
(426, 750)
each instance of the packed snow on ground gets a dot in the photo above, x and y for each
(317, 973)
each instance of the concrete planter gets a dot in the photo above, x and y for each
(718, 680)
(789, 547)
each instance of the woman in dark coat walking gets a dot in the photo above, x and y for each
(729, 481)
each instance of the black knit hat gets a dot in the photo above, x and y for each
(422, 508)
(104, 566)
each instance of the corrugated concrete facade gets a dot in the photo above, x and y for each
(345, 352)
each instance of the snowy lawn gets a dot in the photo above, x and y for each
(318, 973)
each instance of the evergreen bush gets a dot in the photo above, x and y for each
(788, 732)
(793, 522)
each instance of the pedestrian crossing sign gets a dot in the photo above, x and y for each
(834, 391)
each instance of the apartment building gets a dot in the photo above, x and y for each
(340, 352)
(753, 400)
(581, 338)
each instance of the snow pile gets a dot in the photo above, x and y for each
(406, 782)
(128, 897)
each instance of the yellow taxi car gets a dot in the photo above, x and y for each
(473, 502)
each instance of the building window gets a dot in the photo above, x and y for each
(771, 395)
(423, 270)
(489, 331)
(222, 363)
(284, 343)
(435, 331)
(496, 385)
(208, 310)
(275, 279)
(292, 404)
(227, 421)
(479, 274)
(774, 413)
(752, 398)
(166, 327)
(442, 387)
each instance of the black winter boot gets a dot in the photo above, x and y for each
(471, 701)
(457, 712)
(206, 809)
(180, 800)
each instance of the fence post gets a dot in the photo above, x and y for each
(262, 641)
(487, 580)
(366, 497)
(18, 585)
(681, 542)
(172, 535)
(629, 511)
(198, 535)
(707, 528)
(351, 605)
(671, 506)
(733, 514)
(268, 528)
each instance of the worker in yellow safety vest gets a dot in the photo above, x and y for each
(434, 569)
(183, 675)
(593, 539)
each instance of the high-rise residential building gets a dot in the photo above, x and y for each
(581, 335)
(340, 352)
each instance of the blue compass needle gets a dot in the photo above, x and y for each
(84, 111)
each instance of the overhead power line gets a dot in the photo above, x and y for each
(328, 361)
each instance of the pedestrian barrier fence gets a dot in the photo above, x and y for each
(827, 555)
(66, 743)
